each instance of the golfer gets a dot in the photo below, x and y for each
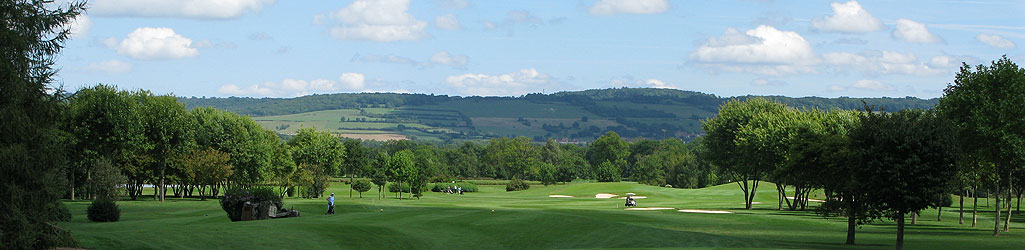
(331, 204)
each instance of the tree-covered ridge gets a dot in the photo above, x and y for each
(585, 98)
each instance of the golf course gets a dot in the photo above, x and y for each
(495, 219)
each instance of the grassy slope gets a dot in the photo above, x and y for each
(522, 220)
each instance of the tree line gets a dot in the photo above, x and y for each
(874, 164)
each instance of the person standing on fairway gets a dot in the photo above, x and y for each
(331, 204)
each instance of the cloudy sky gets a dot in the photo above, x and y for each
(264, 48)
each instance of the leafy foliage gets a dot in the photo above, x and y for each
(516, 185)
(103, 210)
(361, 186)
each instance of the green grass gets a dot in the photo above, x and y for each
(522, 220)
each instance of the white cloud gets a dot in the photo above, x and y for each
(111, 67)
(201, 9)
(872, 85)
(886, 62)
(611, 7)
(629, 81)
(352, 80)
(294, 87)
(995, 41)
(767, 82)
(452, 4)
(863, 85)
(377, 20)
(763, 50)
(848, 17)
(444, 58)
(374, 58)
(510, 84)
(156, 44)
(448, 22)
(80, 26)
(915, 32)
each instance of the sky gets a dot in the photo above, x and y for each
(288, 48)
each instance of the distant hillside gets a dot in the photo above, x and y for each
(570, 116)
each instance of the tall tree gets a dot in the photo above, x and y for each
(355, 161)
(402, 167)
(379, 175)
(985, 105)
(106, 124)
(168, 129)
(725, 150)
(611, 148)
(207, 167)
(908, 159)
(32, 149)
(313, 147)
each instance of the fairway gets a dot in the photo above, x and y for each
(559, 216)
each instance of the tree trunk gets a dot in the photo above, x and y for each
(960, 217)
(975, 207)
(744, 188)
(162, 187)
(900, 231)
(851, 226)
(996, 219)
(1007, 224)
(914, 218)
(939, 213)
(72, 184)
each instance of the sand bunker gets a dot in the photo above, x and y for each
(560, 196)
(704, 211)
(635, 197)
(752, 203)
(812, 200)
(649, 208)
(604, 196)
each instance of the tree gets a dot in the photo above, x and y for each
(611, 148)
(167, 128)
(733, 134)
(106, 124)
(355, 161)
(313, 147)
(361, 186)
(907, 159)
(107, 178)
(207, 167)
(380, 172)
(513, 157)
(32, 147)
(985, 106)
(547, 173)
(607, 172)
(402, 168)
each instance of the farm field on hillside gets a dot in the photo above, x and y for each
(528, 219)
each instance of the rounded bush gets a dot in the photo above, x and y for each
(104, 210)
(516, 185)
(467, 187)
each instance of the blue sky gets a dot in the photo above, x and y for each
(264, 48)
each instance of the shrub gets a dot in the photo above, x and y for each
(104, 210)
(467, 186)
(398, 188)
(235, 198)
(361, 185)
(516, 185)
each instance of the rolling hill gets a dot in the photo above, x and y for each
(576, 116)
